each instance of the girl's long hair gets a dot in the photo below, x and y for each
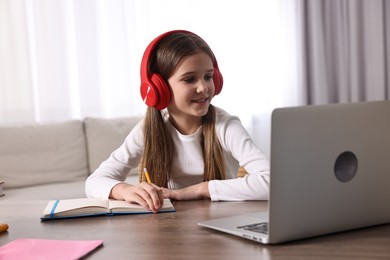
(159, 148)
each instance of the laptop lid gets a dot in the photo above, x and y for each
(330, 172)
(330, 169)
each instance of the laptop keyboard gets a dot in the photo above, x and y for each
(257, 227)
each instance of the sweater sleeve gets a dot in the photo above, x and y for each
(249, 187)
(115, 169)
(238, 145)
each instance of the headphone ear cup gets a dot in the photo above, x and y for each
(218, 81)
(149, 94)
(163, 92)
(155, 92)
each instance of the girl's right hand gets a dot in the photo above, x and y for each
(147, 195)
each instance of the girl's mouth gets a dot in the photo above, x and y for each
(200, 101)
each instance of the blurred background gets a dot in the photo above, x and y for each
(71, 59)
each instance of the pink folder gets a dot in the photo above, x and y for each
(42, 249)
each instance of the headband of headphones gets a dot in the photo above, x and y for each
(154, 89)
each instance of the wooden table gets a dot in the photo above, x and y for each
(177, 235)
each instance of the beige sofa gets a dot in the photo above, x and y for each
(52, 161)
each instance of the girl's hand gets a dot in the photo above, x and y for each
(147, 195)
(194, 192)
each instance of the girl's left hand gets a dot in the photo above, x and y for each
(194, 192)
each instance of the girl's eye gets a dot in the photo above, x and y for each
(208, 77)
(189, 80)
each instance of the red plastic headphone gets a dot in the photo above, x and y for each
(154, 89)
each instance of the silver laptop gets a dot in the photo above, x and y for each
(330, 172)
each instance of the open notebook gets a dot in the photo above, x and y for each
(330, 172)
(88, 207)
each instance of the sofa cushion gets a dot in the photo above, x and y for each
(52, 191)
(42, 153)
(106, 135)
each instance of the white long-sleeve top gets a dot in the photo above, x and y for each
(187, 165)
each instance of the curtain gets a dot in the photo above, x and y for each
(71, 59)
(63, 59)
(346, 57)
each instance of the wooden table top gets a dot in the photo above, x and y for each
(177, 235)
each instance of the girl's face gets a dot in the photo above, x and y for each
(192, 88)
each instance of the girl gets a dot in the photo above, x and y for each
(191, 149)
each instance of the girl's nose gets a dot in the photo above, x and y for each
(202, 87)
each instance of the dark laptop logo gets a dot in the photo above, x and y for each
(346, 166)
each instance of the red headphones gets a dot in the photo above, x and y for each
(154, 89)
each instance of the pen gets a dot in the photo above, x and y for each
(147, 176)
(3, 227)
